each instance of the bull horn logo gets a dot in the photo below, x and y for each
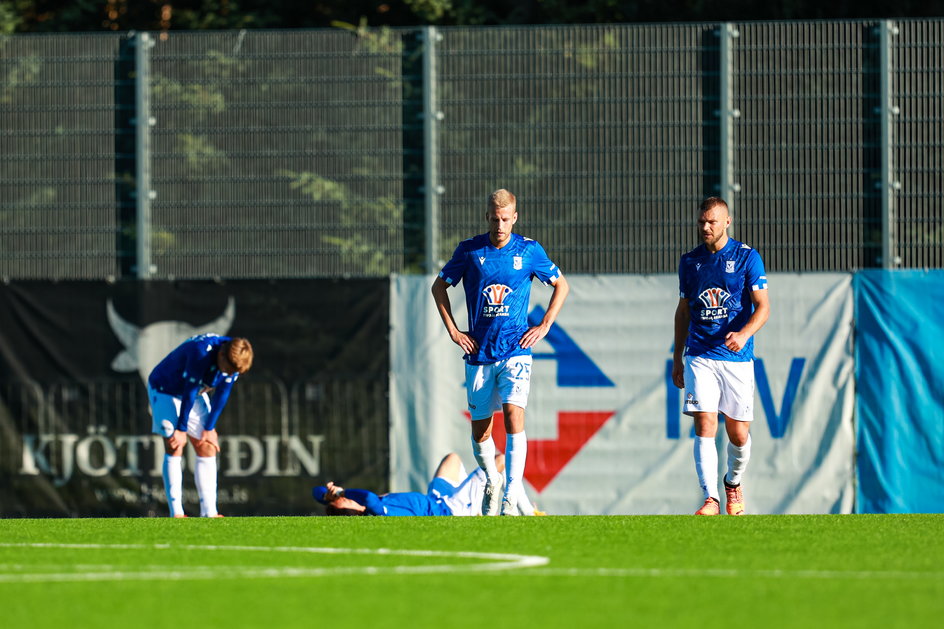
(147, 346)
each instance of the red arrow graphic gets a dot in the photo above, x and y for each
(546, 458)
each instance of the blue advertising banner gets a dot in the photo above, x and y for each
(900, 402)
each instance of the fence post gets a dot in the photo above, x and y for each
(414, 150)
(888, 113)
(431, 117)
(727, 114)
(142, 123)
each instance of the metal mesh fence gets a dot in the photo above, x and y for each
(600, 132)
(918, 151)
(59, 139)
(302, 153)
(806, 153)
(277, 154)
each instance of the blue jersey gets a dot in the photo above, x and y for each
(403, 503)
(190, 368)
(497, 286)
(718, 288)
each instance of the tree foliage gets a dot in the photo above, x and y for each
(157, 15)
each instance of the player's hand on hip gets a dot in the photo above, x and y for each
(735, 341)
(468, 344)
(533, 335)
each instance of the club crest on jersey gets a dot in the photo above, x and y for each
(714, 300)
(517, 261)
(729, 266)
(496, 294)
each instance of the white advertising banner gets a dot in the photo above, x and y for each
(604, 424)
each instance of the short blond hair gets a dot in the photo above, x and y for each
(238, 353)
(501, 198)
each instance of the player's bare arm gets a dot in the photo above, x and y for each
(683, 317)
(538, 332)
(441, 296)
(735, 341)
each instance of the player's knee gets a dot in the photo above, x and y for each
(450, 459)
(481, 429)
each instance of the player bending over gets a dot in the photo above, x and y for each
(181, 408)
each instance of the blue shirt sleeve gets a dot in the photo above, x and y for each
(542, 267)
(755, 276)
(369, 499)
(455, 268)
(686, 278)
(220, 397)
(186, 405)
(191, 376)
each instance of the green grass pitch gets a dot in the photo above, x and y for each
(595, 571)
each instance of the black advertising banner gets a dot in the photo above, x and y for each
(75, 428)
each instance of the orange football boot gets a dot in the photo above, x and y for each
(711, 507)
(734, 499)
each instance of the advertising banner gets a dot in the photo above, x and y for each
(74, 419)
(604, 424)
(900, 406)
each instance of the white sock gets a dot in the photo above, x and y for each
(484, 453)
(737, 461)
(516, 453)
(174, 483)
(204, 473)
(524, 505)
(706, 466)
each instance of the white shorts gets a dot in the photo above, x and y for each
(467, 498)
(719, 386)
(165, 409)
(505, 382)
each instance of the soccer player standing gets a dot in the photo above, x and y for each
(723, 303)
(496, 270)
(181, 408)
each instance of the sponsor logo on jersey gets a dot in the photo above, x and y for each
(482, 260)
(714, 299)
(517, 261)
(496, 294)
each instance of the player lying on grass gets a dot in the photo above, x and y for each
(450, 492)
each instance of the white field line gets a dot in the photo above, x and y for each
(9, 573)
(12, 573)
(894, 575)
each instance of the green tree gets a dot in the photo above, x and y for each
(157, 15)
